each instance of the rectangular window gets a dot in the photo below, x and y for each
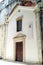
(19, 25)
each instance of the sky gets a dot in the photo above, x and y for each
(0, 0)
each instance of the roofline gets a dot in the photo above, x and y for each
(17, 7)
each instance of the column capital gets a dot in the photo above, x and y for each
(37, 10)
(6, 23)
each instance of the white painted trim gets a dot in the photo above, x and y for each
(23, 8)
(19, 40)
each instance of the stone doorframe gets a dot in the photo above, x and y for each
(19, 38)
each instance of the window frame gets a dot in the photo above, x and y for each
(17, 19)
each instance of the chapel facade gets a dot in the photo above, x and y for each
(20, 32)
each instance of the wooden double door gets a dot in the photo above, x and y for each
(19, 51)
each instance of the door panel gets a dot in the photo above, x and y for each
(19, 51)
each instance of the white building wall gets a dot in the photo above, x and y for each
(31, 49)
(0, 41)
(31, 44)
